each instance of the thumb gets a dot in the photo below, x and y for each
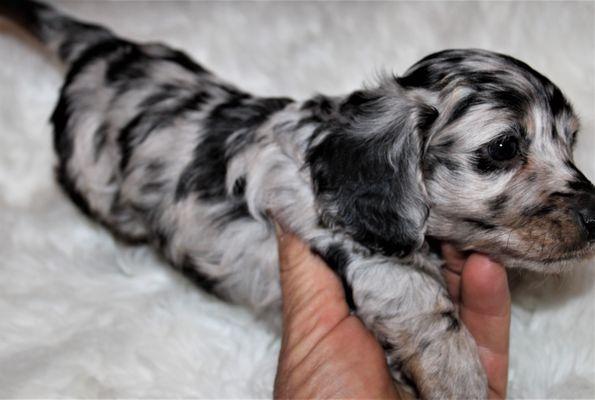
(313, 298)
(485, 311)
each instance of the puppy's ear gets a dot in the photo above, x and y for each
(365, 167)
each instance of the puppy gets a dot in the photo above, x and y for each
(468, 146)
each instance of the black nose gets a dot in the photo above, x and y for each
(586, 212)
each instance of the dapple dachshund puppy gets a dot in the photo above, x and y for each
(469, 146)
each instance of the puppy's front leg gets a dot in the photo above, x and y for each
(409, 310)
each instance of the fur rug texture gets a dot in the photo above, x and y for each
(82, 315)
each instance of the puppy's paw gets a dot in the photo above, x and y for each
(439, 363)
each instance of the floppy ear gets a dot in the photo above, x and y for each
(365, 167)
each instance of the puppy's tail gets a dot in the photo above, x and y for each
(64, 36)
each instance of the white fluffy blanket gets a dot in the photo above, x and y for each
(84, 316)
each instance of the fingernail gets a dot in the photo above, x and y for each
(278, 230)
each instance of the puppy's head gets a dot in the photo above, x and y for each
(468, 146)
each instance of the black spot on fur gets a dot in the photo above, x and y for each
(66, 49)
(554, 132)
(319, 105)
(153, 176)
(445, 145)
(580, 183)
(435, 246)
(423, 345)
(357, 102)
(133, 63)
(427, 116)
(97, 52)
(453, 322)
(558, 102)
(186, 62)
(486, 226)
(365, 183)
(100, 139)
(424, 76)
(239, 187)
(429, 167)
(337, 259)
(431, 163)
(365, 190)
(387, 346)
(319, 109)
(137, 130)
(155, 167)
(462, 107)
(126, 139)
(62, 140)
(153, 187)
(398, 364)
(509, 99)
(449, 164)
(163, 93)
(498, 203)
(233, 211)
(479, 80)
(70, 189)
(563, 195)
(130, 64)
(205, 175)
(160, 238)
(79, 35)
(192, 103)
(200, 279)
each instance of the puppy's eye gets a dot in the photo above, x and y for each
(504, 148)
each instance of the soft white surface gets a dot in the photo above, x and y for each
(83, 316)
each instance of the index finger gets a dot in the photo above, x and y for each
(313, 300)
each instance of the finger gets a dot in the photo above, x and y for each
(452, 271)
(302, 273)
(455, 260)
(313, 298)
(485, 311)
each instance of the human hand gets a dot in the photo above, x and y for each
(479, 287)
(326, 352)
